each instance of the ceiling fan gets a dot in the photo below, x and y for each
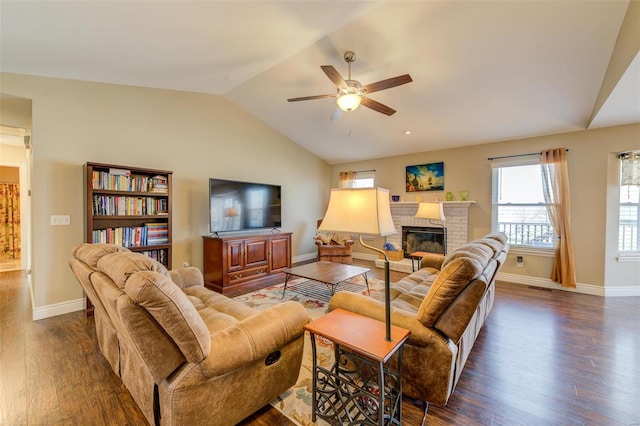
(351, 94)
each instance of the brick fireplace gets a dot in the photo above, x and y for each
(456, 212)
(428, 239)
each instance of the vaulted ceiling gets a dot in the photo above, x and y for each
(483, 71)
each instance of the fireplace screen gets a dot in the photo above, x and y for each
(423, 238)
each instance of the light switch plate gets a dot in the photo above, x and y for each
(56, 220)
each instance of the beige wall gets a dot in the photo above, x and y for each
(196, 135)
(15, 112)
(594, 195)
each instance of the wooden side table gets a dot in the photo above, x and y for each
(360, 387)
(418, 255)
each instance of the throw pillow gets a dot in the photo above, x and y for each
(325, 237)
(338, 239)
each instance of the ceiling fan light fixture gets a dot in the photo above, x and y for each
(349, 102)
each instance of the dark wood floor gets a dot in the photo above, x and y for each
(543, 358)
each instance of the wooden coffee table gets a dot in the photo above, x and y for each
(328, 273)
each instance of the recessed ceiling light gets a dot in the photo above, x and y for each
(407, 132)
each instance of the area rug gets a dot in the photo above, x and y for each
(295, 403)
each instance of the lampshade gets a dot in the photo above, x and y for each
(432, 211)
(359, 211)
(363, 211)
(348, 102)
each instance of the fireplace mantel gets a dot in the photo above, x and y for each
(445, 204)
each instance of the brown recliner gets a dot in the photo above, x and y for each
(187, 354)
(338, 253)
(333, 247)
(444, 304)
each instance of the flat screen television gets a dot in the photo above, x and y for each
(242, 206)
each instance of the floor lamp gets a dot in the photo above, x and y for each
(434, 211)
(363, 211)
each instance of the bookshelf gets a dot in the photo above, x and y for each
(129, 206)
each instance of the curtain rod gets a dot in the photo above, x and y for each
(517, 155)
(360, 171)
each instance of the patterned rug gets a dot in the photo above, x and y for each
(295, 403)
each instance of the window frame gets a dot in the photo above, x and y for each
(496, 165)
(633, 253)
(363, 176)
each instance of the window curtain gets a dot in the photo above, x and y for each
(629, 168)
(346, 179)
(555, 184)
(9, 221)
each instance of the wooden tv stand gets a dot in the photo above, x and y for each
(230, 262)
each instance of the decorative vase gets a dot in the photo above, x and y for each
(449, 196)
(463, 195)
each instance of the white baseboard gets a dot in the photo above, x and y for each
(580, 288)
(364, 256)
(304, 257)
(58, 309)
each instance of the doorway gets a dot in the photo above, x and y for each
(13, 199)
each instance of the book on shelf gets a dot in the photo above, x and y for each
(124, 180)
(159, 183)
(117, 205)
(161, 255)
(121, 236)
(119, 172)
(157, 233)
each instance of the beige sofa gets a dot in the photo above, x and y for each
(186, 354)
(444, 304)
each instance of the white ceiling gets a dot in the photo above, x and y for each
(483, 71)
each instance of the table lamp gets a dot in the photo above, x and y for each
(363, 211)
(433, 211)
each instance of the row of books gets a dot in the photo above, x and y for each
(123, 180)
(134, 236)
(129, 206)
(161, 256)
(157, 233)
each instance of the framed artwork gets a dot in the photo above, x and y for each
(425, 177)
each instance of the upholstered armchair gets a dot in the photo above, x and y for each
(334, 247)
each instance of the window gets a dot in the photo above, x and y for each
(629, 230)
(629, 224)
(519, 209)
(363, 179)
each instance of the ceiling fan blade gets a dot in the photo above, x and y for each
(377, 106)
(386, 84)
(308, 98)
(334, 76)
(337, 113)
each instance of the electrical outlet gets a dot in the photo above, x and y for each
(185, 264)
(520, 261)
(56, 220)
